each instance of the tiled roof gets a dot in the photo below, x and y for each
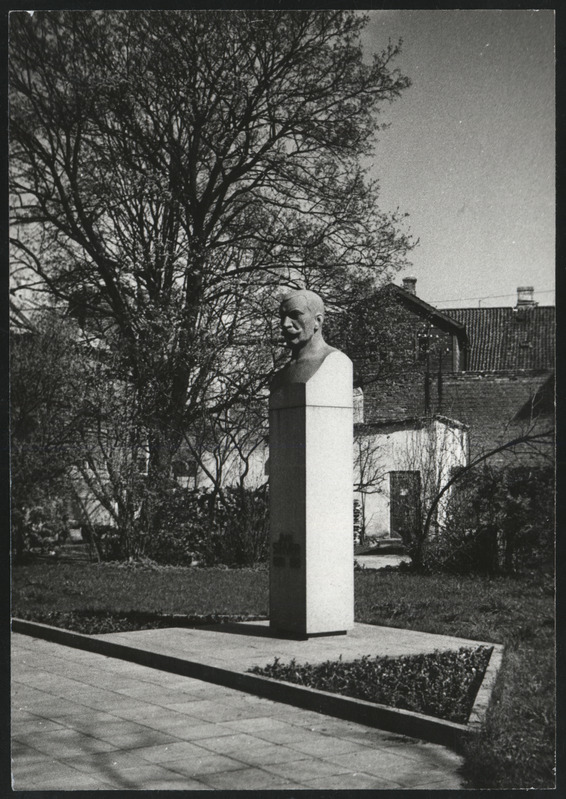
(502, 339)
(442, 318)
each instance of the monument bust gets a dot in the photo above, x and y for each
(302, 315)
(310, 478)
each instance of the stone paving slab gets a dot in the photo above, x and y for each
(223, 653)
(66, 743)
(231, 649)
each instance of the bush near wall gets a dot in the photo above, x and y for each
(39, 526)
(499, 521)
(191, 526)
(104, 541)
(205, 527)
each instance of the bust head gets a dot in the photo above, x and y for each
(302, 315)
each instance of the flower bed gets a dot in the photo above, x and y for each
(440, 684)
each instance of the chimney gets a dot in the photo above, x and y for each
(410, 285)
(525, 297)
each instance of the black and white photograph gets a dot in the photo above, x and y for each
(282, 399)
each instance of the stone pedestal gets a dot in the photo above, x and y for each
(311, 497)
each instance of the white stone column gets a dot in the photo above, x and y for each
(311, 498)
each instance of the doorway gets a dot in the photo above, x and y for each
(405, 504)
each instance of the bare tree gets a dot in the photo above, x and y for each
(46, 393)
(178, 163)
(170, 168)
(369, 475)
(114, 451)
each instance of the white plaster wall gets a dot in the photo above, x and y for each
(387, 450)
(434, 451)
(87, 507)
(234, 468)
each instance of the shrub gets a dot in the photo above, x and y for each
(499, 520)
(208, 528)
(39, 526)
(240, 533)
(104, 539)
(182, 522)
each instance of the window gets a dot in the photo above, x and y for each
(141, 463)
(358, 406)
(423, 347)
(184, 468)
(405, 504)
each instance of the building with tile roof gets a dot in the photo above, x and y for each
(508, 339)
(491, 369)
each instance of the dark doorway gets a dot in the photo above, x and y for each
(405, 504)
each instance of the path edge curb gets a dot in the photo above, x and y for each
(402, 722)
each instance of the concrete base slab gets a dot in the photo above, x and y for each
(224, 653)
(239, 646)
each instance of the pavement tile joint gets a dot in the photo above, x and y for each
(81, 721)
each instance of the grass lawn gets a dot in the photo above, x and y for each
(68, 587)
(516, 748)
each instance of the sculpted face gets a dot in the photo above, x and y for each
(298, 322)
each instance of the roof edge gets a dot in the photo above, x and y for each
(407, 421)
(406, 296)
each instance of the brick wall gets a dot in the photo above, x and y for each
(399, 341)
(488, 403)
(395, 397)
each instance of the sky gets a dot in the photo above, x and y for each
(469, 153)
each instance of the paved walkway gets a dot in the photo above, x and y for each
(82, 721)
(381, 561)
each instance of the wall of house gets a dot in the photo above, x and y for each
(85, 507)
(234, 469)
(433, 450)
(490, 404)
(405, 340)
(487, 402)
(396, 396)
